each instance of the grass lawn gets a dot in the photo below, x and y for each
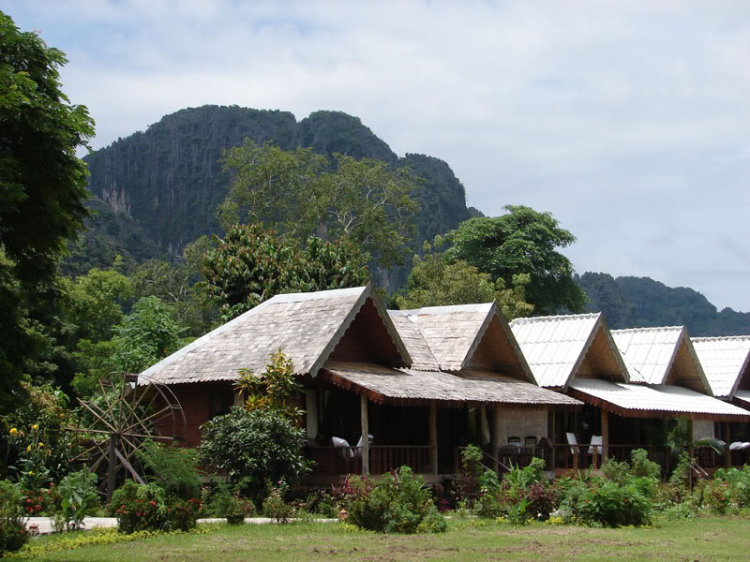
(471, 540)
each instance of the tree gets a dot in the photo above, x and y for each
(93, 303)
(260, 447)
(522, 241)
(178, 285)
(251, 265)
(435, 280)
(39, 134)
(362, 201)
(145, 336)
(42, 185)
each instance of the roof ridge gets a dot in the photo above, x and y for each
(555, 317)
(721, 338)
(647, 329)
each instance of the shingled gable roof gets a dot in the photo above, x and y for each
(407, 387)
(663, 355)
(725, 362)
(559, 348)
(448, 338)
(305, 326)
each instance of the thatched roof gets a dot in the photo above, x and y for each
(305, 326)
(407, 327)
(661, 356)
(452, 338)
(382, 384)
(559, 348)
(654, 401)
(725, 361)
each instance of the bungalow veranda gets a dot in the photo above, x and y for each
(422, 383)
(630, 381)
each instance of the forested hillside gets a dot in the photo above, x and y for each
(629, 302)
(162, 186)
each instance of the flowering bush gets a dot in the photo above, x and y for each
(139, 507)
(13, 534)
(146, 507)
(45, 501)
(33, 446)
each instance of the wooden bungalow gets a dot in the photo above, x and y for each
(726, 363)
(471, 349)
(578, 355)
(361, 380)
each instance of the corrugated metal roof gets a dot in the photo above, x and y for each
(656, 398)
(743, 395)
(305, 326)
(724, 360)
(555, 345)
(470, 386)
(649, 352)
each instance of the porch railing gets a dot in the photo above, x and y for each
(578, 457)
(383, 459)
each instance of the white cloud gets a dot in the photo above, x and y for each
(627, 120)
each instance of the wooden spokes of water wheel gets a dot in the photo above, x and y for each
(128, 413)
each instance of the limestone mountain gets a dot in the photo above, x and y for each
(167, 181)
(634, 302)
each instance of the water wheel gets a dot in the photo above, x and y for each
(127, 413)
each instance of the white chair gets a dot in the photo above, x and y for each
(596, 442)
(361, 441)
(343, 444)
(571, 437)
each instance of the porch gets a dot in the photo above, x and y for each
(422, 433)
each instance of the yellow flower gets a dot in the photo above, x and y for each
(41, 444)
(13, 431)
(35, 427)
(28, 448)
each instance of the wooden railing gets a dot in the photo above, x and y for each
(390, 457)
(383, 458)
(513, 456)
(578, 457)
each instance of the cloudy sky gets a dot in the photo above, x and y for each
(628, 120)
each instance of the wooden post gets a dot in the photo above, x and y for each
(551, 436)
(725, 435)
(433, 439)
(365, 436)
(495, 437)
(111, 483)
(605, 435)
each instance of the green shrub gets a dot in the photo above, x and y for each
(275, 506)
(398, 503)
(79, 500)
(146, 507)
(466, 486)
(524, 494)
(611, 505)
(139, 507)
(174, 468)
(739, 484)
(259, 446)
(13, 534)
(225, 501)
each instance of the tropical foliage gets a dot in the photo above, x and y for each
(522, 241)
(251, 265)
